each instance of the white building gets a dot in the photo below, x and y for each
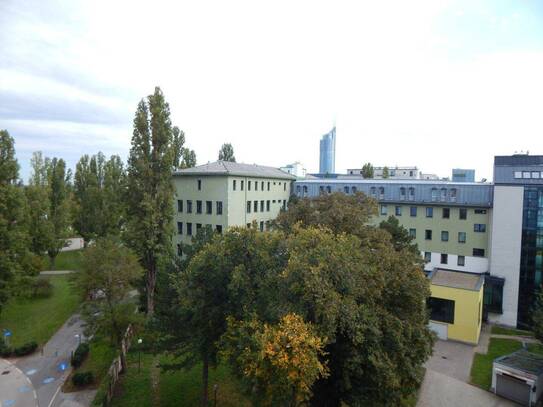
(296, 169)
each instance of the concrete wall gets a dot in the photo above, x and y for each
(505, 248)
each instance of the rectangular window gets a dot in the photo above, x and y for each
(261, 206)
(413, 233)
(525, 174)
(429, 212)
(444, 236)
(535, 174)
(461, 237)
(284, 186)
(219, 207)
(262, 226)
(413, 211)
(262, 186)
(444, 258)
(256, 185)
(199, 185)
(248, 206)
(189, 206)
(198, 227)
(384, 209)
(461, 261)
(198, 206)
(248, 185)
(284, 204)
(218, 228)
(441, 310)
(446, 213)
(463, 213)
(518, 174)
(268, 205)
(209, 207)
(428, 234)
(478, 252)
(248, 225)
(493, 294)
(427, 257)
(242, 184)
(189, 228)
(479, 227)
(179, 228)
(179, 205)
(269, 185)
(255, 206)
(234, 185)
(398, 211)
(480, 211)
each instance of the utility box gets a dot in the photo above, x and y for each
(518, 377)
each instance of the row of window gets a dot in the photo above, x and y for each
(528, 174)
(209, 207)
(460, 260)
(263, 185)
(262, 226)
(254, 205)
(445, 213)
(444, 237)
(180, 231)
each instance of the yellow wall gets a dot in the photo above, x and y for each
(468, 312)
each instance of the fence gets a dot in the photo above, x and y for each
(109, 382)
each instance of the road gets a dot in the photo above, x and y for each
(15, 387)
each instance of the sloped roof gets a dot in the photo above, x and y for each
(235, 169)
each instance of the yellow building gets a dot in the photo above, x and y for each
(456, 305)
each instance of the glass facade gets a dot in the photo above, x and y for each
(531, 256)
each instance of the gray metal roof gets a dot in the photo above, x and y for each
(524, 361)
(456, 279)
(235, 169)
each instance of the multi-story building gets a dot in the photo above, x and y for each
(463, 175)
(491, 229)
(296, 169)
(224, 194)
(393, 172)
(327, 162)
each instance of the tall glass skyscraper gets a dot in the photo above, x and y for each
(327, 163)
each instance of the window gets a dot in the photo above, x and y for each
(479, 227)
(248, 225)
(478, 252)
(353, 188)
(189, 206)
(219, 207)
(261, 206)
(461, 261)
(443, 194)
(269, 185)
(179, 249)
(444, 236)
(444, 258)
(218, 228)
(198, 206)
(198, 227)
(429, 212)
(255, 206)
(453, 194)
(262, 226)
(384, 209)
(381, 193)
(402, 194)
(189, 228)
(518, 174)
(446, 212)
(428, 234)
(346, 189)
(463, 213)
(493, 294)
(256, 185)
(284, 204)
(248, 185)
(321, 189)
(441, 310)
(242, 182)
(209, 207)
(434, 194)
(329, 189)
(411, 194)
(262, 186)
(461, 237)
(413, 211)
(268, 205)
(413, 233)
(298, 189)
(179, 205)
(284, 186)
(248, 206)
(199, 185)
(234, 185)
(427, 257)
(480, 211)
(179, 228)
(398, 211)
(525, 174)
(373, 192)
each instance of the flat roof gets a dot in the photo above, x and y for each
(456, 279)
(235, 169)
(524, 361)
(351, 179)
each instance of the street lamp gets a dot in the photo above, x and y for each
(140, 341)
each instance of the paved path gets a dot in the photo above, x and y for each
(56, 272)
(15, 388)
(523, 339)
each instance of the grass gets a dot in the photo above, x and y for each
(500, 330)
(38, 319)
(535, 348)
(481, 369)
(176, 388)
(67, 260)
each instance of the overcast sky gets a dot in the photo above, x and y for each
(435, 84)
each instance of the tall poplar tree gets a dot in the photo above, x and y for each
(149, 192)
(226, 153)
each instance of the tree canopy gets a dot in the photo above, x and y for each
(226, 153)
(367, 171)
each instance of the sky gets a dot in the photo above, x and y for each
(433, 84)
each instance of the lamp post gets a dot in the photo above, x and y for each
(140, 341)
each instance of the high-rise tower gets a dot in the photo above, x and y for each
(327, 163)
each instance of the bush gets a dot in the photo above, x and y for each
(25, 349)
(5, 350)
(42, 288)
(82, 379)
(80, 354)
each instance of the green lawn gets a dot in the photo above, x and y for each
(67, 260)
(535, 348)
(499, 330)
(38, 319)
(481, 369)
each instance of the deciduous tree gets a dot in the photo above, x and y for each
(226, 153)
(367, 170)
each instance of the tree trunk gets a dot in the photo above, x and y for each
(205, 376)
(150, 287)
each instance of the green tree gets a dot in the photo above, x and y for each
(367, 171)
(149, 191)
(109, 272)
(385, 173)
(226, 153)
(399, 235)
(189, 159)
(14, 239)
